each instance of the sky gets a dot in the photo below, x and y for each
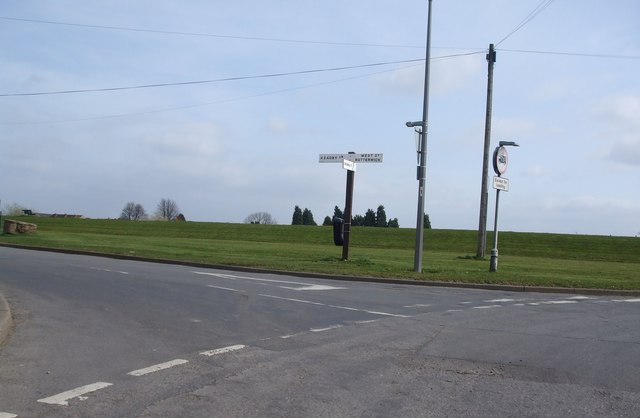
(248, 94)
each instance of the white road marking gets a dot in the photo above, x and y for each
(300, 286)
(334, 306)
(500, 300)
(386, 314)
(293, 300)
(626, 300)
(454, 310)
(314, 287)
(325, 329)
(418, 305)
(224, 288)
(7, 415)
(108, 270)
(157, 367)
(346, 308)
(558, 302)
(64, 397)
(580, 298)
(487, 307)
(223, 350)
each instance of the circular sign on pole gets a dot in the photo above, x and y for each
(500, 160)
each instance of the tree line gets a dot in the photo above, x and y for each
(166, 209)
(377, 218)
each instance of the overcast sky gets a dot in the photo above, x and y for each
(224, 149)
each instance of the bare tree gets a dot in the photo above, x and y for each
(167, 210)
(133, 212)
(260, 218)
(13, 209)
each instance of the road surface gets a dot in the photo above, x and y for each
(112, 338)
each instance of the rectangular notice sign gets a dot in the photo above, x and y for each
(501, 183)
(356, 158)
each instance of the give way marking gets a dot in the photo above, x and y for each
(298, 285)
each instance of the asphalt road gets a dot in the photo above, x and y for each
(112, 338)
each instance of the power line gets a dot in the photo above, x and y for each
(535, 12)
(227, 79)
(217, 80)
(574, 54)
(228, 100)
(208, 35)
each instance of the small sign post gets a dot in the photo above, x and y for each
(500, 163)
(349, 161)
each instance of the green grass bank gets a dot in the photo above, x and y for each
(529, 259)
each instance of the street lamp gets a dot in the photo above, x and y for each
(500, 163)
(422, 151)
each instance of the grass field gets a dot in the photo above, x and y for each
(529, 259)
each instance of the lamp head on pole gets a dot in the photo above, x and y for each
(508, 144)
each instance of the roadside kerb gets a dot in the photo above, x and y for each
(5, 319)
(480, 286)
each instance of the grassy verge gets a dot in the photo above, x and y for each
(525, 258)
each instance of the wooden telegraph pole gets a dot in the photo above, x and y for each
(484, 194)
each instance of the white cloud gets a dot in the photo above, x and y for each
(277, 125)
(623, 110)
(447, 75)
(535, 170)
(621, 133)
(197, 140)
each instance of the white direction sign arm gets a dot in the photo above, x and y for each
(356, 158)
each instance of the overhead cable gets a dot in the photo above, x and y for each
(208, 35)
(539, 8)
(227, 79)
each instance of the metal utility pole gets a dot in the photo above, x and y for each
(484, 193)
(422, 167)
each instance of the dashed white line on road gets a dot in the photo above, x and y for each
(314, 287)
(626, 300)
(325, 329)
(157, 367)
(300, 286)
(224, 288)
(108, 270)
(293, 300)
(343, 307)
(7, 415)
(487, 307)
(386, 314)
(223, 350)
(335, 306)
(64, 397)
(500, 300)
(418, 305)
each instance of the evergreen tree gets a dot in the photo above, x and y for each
(393, 223)
(381, 217)
(307, 217)
(357, 220)
(370, 218)
(327, 221)
(297, 216)
(337, 212)
(427, 222)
